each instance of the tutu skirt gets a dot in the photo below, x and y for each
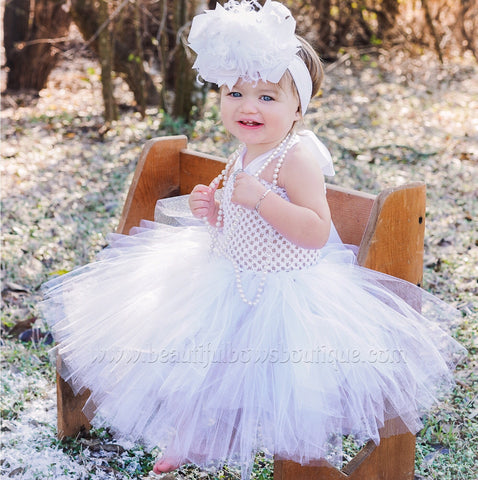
(157, 331)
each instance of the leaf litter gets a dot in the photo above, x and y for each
(388, 119)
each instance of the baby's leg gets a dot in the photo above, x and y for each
(170, 462)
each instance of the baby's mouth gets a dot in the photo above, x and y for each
(249, 123)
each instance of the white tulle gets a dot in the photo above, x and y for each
(173, 357)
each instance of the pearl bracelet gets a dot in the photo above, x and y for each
(264, 195)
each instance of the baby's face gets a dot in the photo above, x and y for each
(259, 114)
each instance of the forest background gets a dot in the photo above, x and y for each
(86, 82)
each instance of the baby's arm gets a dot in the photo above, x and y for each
(305, 220)
(203, 204)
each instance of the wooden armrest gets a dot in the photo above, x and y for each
(393, 239)
(156, 176)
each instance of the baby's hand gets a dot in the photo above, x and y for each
(247, 190)
(202, 202)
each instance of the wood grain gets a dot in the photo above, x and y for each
(156, 176)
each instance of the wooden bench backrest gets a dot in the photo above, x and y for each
(389, 228)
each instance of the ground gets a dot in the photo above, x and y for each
(387, 117)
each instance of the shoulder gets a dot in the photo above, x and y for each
(300, 164)
(303, 180)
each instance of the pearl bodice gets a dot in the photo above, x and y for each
(252, 243)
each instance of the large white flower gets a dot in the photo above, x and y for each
(242, 41)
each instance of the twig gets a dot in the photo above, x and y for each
(338, 62)
(106, 23)
(432, 29)
(51, 41)
(356, 152)
(85, 45)
(406, 147)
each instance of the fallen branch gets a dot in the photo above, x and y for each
(51, 41)
(356, 152)
(405, 147)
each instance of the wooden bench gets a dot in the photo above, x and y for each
(389, 230)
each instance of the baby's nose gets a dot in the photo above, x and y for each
(249, 105)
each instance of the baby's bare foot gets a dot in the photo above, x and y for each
(164, 466)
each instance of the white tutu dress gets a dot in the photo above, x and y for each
(161, 331)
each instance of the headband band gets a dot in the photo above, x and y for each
(301, 75)
(242, 41)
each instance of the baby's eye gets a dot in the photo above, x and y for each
(235, 94)
(267, 98)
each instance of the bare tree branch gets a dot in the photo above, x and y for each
(106, 23)
(37, 41)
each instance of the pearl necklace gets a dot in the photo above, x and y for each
(281, 150)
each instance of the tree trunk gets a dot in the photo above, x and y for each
(176, 60)
(387, 16)
(84, 14)
(324, 34)
(139, 59)
(31, 30)
(105, 52)
(184, 84)
(167, 22)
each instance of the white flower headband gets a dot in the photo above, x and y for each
(244, 40)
